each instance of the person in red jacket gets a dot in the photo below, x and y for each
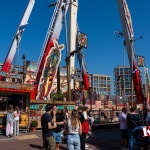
(85, 130)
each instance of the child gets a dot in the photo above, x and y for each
(9, 121)
(16, 121)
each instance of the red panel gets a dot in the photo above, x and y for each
(46, 52)
(86, 81)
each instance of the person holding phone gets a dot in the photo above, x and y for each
(48, 123)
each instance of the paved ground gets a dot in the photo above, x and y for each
(106, 139)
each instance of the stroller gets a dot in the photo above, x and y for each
(143, 142)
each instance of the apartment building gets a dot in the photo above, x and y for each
(122, 82)
(102, 84)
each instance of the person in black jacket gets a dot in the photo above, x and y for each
(132, 119)
(48, 123)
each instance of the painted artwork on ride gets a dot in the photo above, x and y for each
(30, 72)
(97, 104)
(49, 72)
(36, 115)
(109, 115)
(96, 115)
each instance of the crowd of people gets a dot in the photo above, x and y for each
(131, 126)
(12, 121)
(75, 126)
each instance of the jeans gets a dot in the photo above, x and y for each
(57, 136)
(16, 127)
(83, 140)
(138, 135)
(73, 142)
(131, 139)
(9, 128)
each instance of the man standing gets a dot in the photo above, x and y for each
(133, 121)
(57, 131)
(124, 128)
(48, 124)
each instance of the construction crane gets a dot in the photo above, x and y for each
(17, 38)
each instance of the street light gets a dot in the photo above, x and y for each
(119, 34)
(24, 66)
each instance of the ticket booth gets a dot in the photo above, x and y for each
(15, 99)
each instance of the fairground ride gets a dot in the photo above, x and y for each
(10, 74)
(134, 61)
(51, 52)
(49, 59)
(12, 90)
(17, 38)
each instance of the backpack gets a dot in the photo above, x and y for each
(132, 121)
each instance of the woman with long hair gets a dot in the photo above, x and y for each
(16, 121)
(73, 130)
(9, 121)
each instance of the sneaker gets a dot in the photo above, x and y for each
(87, 136)
(7, 136)
(86, 146)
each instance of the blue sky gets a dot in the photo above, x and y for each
(99, 19)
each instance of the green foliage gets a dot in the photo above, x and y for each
(57, 96)
(34, 123)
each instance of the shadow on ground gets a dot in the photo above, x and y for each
(103, 144)
(35, 146)
(62, 147)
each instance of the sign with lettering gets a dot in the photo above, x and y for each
(11, 75)
(40, 107)
(60, 107)
(70, 107)
(146, 131)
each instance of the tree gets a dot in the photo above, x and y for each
(57, 96)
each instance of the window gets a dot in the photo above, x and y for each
(95, 81)
(95, 77)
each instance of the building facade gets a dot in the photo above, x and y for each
(122, 82)
(102, 84)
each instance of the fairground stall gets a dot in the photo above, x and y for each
(16, 94)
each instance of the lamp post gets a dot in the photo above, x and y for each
(123, 77)
(120, 35)
(24, 66)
